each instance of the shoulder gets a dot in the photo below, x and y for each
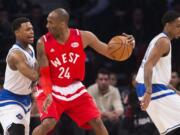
(44, 38)
(163, 41)
(85, 33)
(40, 43)
(113, 89)
(163, 45)
(92, 88)
(15, 56)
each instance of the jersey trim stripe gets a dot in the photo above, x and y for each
(158, 91)
(70, 95)
(45, 39)
(170, 129)
(15, 103)
(70, 89)
(70, 98)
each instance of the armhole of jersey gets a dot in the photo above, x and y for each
(78, 33)
(44, 39)
(169, 48)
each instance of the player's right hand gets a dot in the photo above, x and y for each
(47, 102)
(146, 100)
(131, 39)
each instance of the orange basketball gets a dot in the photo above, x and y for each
(119, 48)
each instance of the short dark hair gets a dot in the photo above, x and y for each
(16, 24)
(169, 16)
(103, 71)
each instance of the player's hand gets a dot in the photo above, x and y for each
(146, 100)
(47, 102)
(131, 39)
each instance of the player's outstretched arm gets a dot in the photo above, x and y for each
(89, 39)
(18, 61)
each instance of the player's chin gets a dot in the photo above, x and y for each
(31, 40)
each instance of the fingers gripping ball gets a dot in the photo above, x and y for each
(119, 48)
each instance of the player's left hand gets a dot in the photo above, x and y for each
(145, 101)
(47, 102)
(130, 38)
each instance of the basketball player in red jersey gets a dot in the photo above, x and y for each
(61, 57)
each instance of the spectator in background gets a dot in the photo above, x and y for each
(1, 80)
(5, 33)
(17, 7)
(113, 79)
(135, 121)
(38, 20)
(107, 98)
(175, 81)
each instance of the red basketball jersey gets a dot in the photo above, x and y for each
(66, 61)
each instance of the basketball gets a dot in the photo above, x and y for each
(119, 48)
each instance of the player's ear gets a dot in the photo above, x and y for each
(17, 32)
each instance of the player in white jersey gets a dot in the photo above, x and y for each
(21, 72)
(161, 103)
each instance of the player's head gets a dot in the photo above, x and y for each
(57, 20)
(171, 23)
(23, 30)
(102, 80)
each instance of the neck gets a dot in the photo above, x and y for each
(63, 35)
(103, 92)
(22, 44)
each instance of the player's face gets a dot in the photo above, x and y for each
(53, 24)
(25, 33)
(103, 81)
(175, 27)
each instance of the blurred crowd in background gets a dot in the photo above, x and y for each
(105, 18)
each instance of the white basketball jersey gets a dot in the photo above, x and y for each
(15, 81)
(162, 69)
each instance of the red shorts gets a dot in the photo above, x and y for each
(81, 110)
(51, 110)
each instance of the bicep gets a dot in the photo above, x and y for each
(41, 55)
(20, 62)
(89, 39)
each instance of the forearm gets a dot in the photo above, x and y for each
(103, 49)
(45, 80)
(148, 77)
